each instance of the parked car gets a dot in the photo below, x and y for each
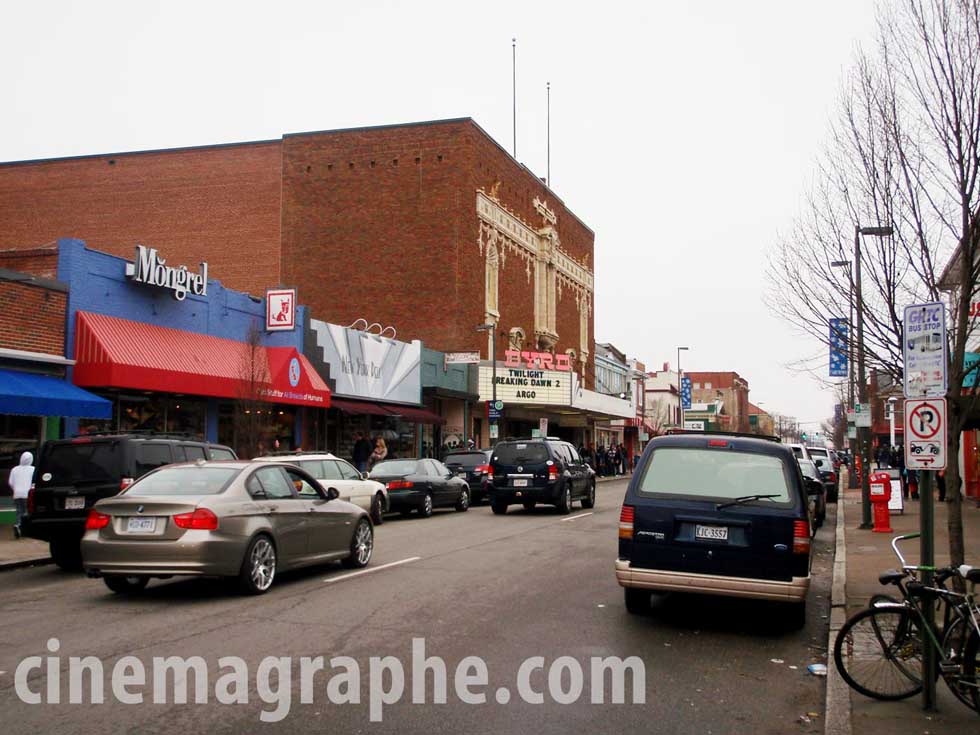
(800, 451)
(246, 520)
(71, 475)
(818, 500)
(333, 471)
(720, 515)
(828, 477)
(532, 471)
(422, 485)
(473, 465)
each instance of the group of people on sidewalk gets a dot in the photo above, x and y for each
(367, 453)
(607, 461)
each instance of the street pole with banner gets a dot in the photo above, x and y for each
(492, 328)
(924, 353)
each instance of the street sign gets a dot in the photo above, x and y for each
(495, 410)
(852, 432)
(494, 431)
(543, 426)
(925, 434)
(924, 350)
(862, 416)
(462, 358)
(694, 425)
(686, 393)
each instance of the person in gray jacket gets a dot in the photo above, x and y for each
(20, 481)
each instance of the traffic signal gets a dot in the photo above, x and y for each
(804, 436)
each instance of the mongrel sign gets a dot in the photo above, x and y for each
(151, 269)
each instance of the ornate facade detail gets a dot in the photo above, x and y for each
(492, 281)
(517, 338)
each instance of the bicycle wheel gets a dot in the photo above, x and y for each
(969, 680)
(878, 652)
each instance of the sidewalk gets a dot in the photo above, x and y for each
(867, 555)
(16, 553)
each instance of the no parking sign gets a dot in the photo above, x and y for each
(925, 434)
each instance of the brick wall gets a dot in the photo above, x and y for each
(41, 262)
(33, 317)
(219, 204)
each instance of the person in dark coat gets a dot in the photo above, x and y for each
(361, 452)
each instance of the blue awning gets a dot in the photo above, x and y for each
(42, 395)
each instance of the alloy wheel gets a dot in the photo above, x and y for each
(263, 564)
(363, 544)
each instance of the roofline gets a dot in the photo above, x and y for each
(118, 154)
(28, 280)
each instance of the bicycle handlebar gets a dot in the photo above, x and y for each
(902, 538)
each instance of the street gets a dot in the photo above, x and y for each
(531, 583)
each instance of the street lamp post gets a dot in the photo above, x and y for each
(492, 328)
(680, 390)
(891, 421)
(863, 431)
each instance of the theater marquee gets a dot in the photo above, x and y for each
(523, 385)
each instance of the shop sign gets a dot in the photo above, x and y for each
(369, 366)
(517, 385)
(462, 358)
(151, 269)
(537, 360)
(694, 425)
(280, 310)
(495, 410)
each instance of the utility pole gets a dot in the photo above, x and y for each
(513, 59)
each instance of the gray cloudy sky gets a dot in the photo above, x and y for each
(683, 133)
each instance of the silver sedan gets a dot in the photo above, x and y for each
(225, 519)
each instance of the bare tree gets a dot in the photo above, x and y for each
(904, 152)
(253, 379)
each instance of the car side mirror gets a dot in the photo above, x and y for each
(364, 475)
(819, 463)
(332, 493)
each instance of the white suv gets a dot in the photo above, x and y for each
(338, 473)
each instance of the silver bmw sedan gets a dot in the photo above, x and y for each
(246, 520)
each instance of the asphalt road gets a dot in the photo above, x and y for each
(471, 584)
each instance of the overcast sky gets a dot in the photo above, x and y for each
(683, 133)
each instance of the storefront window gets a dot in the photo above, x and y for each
(253, 432)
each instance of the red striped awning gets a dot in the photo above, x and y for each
(119, 353)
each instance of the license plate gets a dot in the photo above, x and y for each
(520, 483)
(718, 533)
(141, 525)
(74, 503)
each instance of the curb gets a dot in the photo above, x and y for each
(837, 710)
(613, 478)
(6, 566)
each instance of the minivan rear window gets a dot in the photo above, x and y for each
(715, 474)
(466, 459)
(71, 464)
(520, 453)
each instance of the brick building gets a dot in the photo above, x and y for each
(431, 228)
(729, 388)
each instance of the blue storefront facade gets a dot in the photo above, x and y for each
(111, 311)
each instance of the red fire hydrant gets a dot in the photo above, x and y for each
(881, 493)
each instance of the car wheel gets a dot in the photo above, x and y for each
(498, 508)
(67, 554)
(361, 546)
(125, 585)
(529, 504)
(589, 500)
(565, 502)
(377, 510)
(425, 510)
(637, 600)
(259, 566)
(463, 504)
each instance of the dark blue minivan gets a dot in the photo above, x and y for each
(717, 514)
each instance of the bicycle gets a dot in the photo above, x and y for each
(879, 650)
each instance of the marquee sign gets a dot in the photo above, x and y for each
(537, 360)
(520, 385)
(151, 269)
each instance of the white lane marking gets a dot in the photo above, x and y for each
(575, 518)
(372, 569)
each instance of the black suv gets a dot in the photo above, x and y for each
(72, 474)
(532, 471)
(716, 514)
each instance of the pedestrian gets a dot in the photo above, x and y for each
(379, 453)
(361, 451)
(611, 462)
(941, 482)
(624, 458)
(20, 481)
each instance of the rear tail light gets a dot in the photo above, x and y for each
(483, 469)
(30, 499)
(717, 443)
(626, 522)
(201, 519)
(801, 537)
(400, 485)
(96, 520)
(489, 473)
(552, 472)
(833, 477)
(125, 482)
